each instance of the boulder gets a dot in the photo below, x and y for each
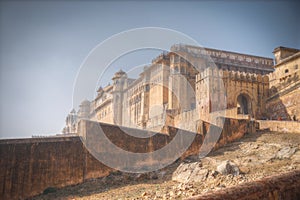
(228, 167)
(190, 172)
(285, 152)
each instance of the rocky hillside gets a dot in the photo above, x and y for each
(251, 158)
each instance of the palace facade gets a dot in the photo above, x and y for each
(190, 83)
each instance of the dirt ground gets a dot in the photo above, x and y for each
(257, 156)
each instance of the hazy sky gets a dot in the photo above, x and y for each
(42, 45)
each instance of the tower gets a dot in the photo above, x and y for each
(84, 110)
(181, 84)
(119, 85)
(71, 123)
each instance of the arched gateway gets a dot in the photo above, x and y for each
(243, 104)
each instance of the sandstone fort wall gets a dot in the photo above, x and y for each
(29, 166)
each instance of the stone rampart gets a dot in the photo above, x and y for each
(29, 166)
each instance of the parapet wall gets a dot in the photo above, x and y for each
(29, 166)
(221, 55)
(281, 126)
(187, 120)
(233, 75)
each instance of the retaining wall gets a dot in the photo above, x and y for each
(29, 166)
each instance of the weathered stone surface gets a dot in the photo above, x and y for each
(31, 166)
(190, 172)
(296, 157)
(198, 175)
(228, 167)
(285, 152)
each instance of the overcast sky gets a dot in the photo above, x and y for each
(43, 44)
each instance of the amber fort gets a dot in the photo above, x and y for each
(191, 84)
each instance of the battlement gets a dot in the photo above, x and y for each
(161, 57)
(234, 75)
(225, 57)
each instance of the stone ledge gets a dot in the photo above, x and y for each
(42, 139)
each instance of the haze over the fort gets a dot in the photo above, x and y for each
(44, 43)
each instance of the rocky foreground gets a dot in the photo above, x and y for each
(253, 157)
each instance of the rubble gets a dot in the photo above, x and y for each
(285, 152)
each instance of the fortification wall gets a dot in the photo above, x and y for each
(29, 166)
(187, 120)
(284, 186)
(282, 126)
